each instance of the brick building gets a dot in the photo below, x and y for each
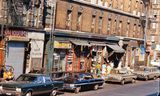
(96, 31)
(82, 33)
(154, 33)
(22, 35)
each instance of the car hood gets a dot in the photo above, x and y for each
(17, 84)
(139, 72)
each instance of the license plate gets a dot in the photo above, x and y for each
(8, 94)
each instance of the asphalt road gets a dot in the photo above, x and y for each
(140, 88)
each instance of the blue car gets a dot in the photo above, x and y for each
(79, 81)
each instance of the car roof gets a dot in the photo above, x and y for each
(34, 74)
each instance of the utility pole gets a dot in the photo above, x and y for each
(50, 63)
(146, 3)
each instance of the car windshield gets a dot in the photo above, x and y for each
(26, 78)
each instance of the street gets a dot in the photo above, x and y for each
(140, 88)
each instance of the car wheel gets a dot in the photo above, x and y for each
(133, 80)
(146, 78)
(154, 77)
(53, 93)
(96, 87)
(77, 90)
(122, 82)
(28, 94)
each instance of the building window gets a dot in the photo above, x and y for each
(109, 25)
(110, 3)
(79, 21)
(134, 30)
(69, 19)
(93, 23)
(119, 28)
(129, 5)
(100, 24)
(139, 31)
(128, 28)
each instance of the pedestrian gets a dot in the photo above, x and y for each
(104, 70)
(98, 67)
(108, 70)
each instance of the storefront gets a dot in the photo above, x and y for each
(62, 54)
(2, 46)
(15, 49)
(115, 53)
(1, 52)
(36, 43)
(81, 55)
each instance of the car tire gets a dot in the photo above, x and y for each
(146, 78)
(122, 82)
(53, 93)
(133, 80)
(28, 94)
(77, 90)
(96, 87)
(154, 78)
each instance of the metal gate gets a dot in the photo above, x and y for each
(15, 56)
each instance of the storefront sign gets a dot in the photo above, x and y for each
(16, 35)
(63, 45)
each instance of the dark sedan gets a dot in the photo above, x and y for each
(31, 84)
(78, 81)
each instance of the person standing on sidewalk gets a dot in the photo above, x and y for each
(98, 67)
(104, 67)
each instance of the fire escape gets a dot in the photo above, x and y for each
(15, 12)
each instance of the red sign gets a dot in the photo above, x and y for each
(15, 33)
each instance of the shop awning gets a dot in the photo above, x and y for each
(80, 42)
(94, 43)
(116, 48)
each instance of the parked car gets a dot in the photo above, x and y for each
(59, 76)
(31, 84)
(78, 81)
(121, 75)
(146, 73)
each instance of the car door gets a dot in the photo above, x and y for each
(91, 81)
(38, 86)
(48, 84)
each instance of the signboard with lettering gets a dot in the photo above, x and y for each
(37, 49)
(16, 35)
(63, 45)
